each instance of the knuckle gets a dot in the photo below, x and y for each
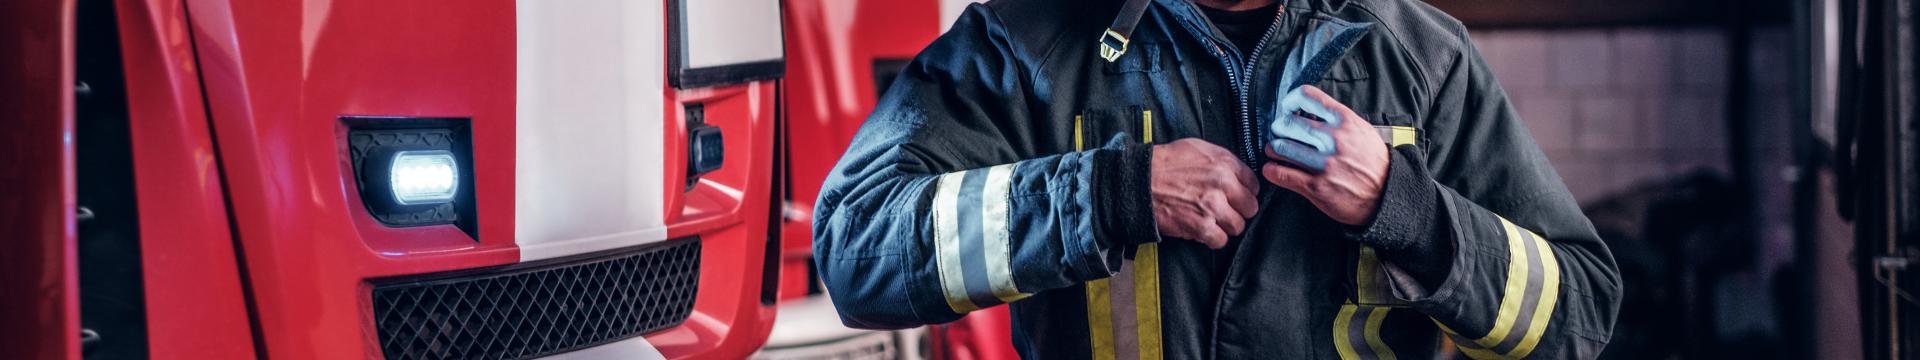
(1319, 187)
(1221, 172)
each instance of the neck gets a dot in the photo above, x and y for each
(1234, 5)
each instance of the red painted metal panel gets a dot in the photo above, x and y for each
(37, 255)
(981, 335)
(727, 211)
(832, 47)
(278, 74)
(195, 305)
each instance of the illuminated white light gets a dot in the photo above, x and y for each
(424, 177)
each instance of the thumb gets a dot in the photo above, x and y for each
(1286, 177)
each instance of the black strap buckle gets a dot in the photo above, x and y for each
(1112, 45)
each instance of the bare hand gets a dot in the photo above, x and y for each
(1201, 192)
(1349, 189)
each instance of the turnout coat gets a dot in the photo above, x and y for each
(1008, 164)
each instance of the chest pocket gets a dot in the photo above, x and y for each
(1144, 57)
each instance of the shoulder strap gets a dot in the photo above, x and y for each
(1113, 43)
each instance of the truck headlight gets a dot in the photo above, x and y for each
(424, 177)
(414, 171)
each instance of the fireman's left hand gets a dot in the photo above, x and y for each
(1349, 189)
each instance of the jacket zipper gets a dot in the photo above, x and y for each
(1239, 79)
(1249, 152)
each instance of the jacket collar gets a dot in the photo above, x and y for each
(1332, 6)
(1188, 14)
(1313, 5)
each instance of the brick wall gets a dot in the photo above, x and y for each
(1621, 106)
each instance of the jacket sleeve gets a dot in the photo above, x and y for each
(940, 205)
(1479, 233)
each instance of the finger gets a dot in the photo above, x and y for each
(1298, 154)
(1244, 176)
(1311, 100)
(1286, 177)
(1294, 127)
(1223, 216)
(1212, 237)
(1347, 118)
(1242, 200)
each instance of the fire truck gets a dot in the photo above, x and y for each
(423, 179)
(842, 56)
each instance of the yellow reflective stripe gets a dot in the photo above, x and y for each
(1403, 135)
(1369, 345)
(1365, 273)
(1078, 144)
(1379, 346)
(1549, 297)
(1371, 286)
(1373, 298)
(1099, 318)
(1341, 343)
(1146, 117)
(1518, 240)
(1515, 291)
(1146, 289)
(1398, 135)
(1146, 277)
(1142, 337)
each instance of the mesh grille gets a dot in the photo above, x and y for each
(535, 311)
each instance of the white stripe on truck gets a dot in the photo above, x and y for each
(588, 99)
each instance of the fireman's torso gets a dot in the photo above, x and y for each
(1291, 287)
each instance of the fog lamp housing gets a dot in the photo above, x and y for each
(414, 172)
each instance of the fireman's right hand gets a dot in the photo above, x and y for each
(1201, 192)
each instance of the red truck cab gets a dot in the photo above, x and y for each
(842, 57)
(391, 179)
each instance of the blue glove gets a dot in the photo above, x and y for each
(1298, 128)
(1299, 132)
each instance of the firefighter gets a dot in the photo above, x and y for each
(1213, 179)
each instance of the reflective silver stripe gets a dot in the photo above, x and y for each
(1549, 297)
(1515, 290)
(973, 262)
(1527, 302)
(946, 234)
(1126, 338)
(994, 220)
(1371, 334)
(1356, 332)
(1530, 301)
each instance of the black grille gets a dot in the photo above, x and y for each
(526, 311)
